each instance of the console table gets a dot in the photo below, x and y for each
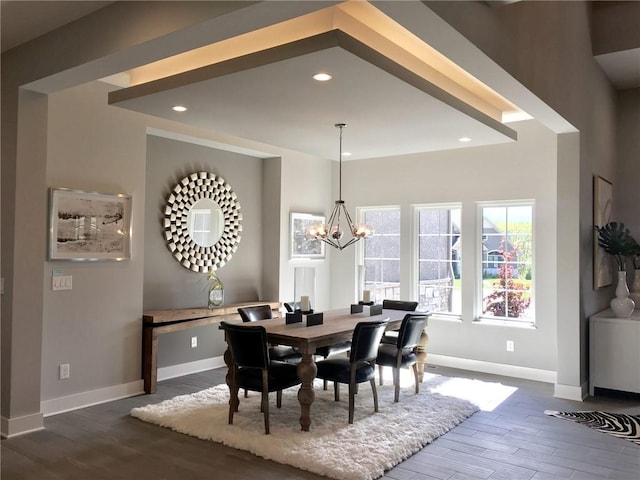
(157, 322)
(614, 352)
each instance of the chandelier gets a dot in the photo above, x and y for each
(332, 232)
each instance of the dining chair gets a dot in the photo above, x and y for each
(256, 313)
(359, 367)
(391, 336)
(252, 369)
(402, 354)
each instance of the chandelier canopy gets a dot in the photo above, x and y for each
(332, 232)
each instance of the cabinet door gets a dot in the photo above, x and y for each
(615, 350)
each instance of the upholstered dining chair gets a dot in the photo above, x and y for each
(253, 370)
(359, 367)
(402, 354)
(276, 352)
(391, 336)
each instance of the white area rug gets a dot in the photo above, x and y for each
(332, 448)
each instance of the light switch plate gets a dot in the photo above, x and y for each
(61, 282)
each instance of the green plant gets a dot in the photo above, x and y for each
(617, 241)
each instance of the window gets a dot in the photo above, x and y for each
(382, 253)
(507, 251)
(439, 272)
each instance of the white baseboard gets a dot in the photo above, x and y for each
(173, 371)
(92, 397)
(11, 427)
(76, 401)
(547, 376)
(571, 392)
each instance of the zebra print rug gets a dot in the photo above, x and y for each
(617, 424)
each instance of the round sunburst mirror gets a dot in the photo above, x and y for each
(202, 222)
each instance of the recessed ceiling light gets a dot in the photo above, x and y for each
(322, 77)
(179, 108)
(464, 139)
(346, 154)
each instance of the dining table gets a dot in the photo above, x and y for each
(337, 326)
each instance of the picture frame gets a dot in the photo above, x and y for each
(89, 226)
(301, 245)
(602, 203)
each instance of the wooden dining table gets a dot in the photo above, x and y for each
(337, 326)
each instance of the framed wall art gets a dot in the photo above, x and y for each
(602, 203)
(301, 245)
(89, 226)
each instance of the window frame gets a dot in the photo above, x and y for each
(415, 251)
(360, 214)
(479, 303)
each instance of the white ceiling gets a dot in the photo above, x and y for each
(278, 103)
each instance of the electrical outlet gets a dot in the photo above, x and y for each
(510, 346)
(64, 371)
(194, 342)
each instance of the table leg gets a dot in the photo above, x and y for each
(421, 353)
(306, 373)
(234, 401)
(149, 358)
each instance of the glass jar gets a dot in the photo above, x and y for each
(215, 291)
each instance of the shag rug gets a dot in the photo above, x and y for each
(332, 448)
(619, 425)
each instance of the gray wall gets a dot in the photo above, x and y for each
(522, 170)
(167, 284)
(627, 177)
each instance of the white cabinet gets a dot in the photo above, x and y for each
(614, 352)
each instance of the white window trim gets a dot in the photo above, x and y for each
(480, 318)
(359, 214)
(415, 220)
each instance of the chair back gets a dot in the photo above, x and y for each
(365, 341)
(411, 330)
(248, 345)
(400, 305)
(255, 313)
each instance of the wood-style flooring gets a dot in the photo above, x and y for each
(514, 441)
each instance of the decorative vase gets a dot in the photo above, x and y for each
(622, 305)
(634, 294)
(216, 291)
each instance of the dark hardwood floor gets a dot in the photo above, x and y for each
(514, 441)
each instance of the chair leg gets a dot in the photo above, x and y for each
(380, 374)
(246, 393)
(416, 376)
(336, 391)
(352, 401)
(325, 384)
(396, 383)
(279, 399)
(233, 403)
(375, 394)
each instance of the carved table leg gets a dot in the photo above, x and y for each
(234, 402)
(421, 352)
(306, 373)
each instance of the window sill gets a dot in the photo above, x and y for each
(493, 322)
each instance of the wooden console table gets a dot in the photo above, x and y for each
(157, 322)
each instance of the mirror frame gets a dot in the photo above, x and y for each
(184, 195)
